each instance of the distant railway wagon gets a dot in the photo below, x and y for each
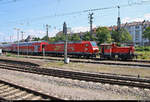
(6, 47)
(80, 49)
(34, 47)
(112, 51)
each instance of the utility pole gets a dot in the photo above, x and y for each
(22, 34)
(119, 24)
(91, 22)
(17, 39)
(10, 39)
(119, 20)
(65, 44)
(47, 26)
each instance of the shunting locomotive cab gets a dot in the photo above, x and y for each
(105, 51)
(112, 51)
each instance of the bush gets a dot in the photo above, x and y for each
(142, 48)
(8, 54)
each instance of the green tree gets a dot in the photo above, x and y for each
(115, 36)
(103, 35)
(60, 37)
(36, 39)
(75, 37)
(146, 34)
(52, 39)
(86, 37)
(45, 38)
(4, 42)
(123, 36)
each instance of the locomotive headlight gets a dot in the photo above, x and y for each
(95, 48)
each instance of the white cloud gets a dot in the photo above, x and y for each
(32, 32)
(1, 33)
(147, 16)
(39, 33)
(81, 29)
(4, 37)
(145, 1)
(137, 19)
(128, 19)
(35, 33)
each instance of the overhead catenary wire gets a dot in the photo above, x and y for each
(8, 1)
(25, 21)
(31, 20)
(81, 12)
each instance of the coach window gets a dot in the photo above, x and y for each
(108, 47)
(86, 45)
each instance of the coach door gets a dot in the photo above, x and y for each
(36, 48)
(102, 50)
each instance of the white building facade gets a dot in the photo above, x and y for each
(136, 30)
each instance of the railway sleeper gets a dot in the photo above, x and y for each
(92, 75)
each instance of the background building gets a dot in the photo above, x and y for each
(136, 29)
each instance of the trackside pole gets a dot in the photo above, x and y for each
(66, 60)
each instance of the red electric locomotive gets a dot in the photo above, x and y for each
(112, 51)
(79, 49)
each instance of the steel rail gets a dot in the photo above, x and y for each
(98, 61)
(119, 80)
(5, 93)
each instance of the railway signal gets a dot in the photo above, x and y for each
(119, 20)
(91, 22)
(47, 28)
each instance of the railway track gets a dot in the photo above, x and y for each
(98, 61)
(77, 75)
(137, 63)
(10, 91)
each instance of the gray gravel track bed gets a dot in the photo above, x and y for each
(74, 90)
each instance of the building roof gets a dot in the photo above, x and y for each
(136, 23)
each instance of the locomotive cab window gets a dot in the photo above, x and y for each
(108, 47)
(93, 43)
(86, 45)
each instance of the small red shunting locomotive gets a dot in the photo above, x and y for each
(112, 51)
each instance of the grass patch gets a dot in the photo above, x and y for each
(143, 52)
(143, 72)
(14, 55)
(8, 55)
(143, 55)
(142, 48)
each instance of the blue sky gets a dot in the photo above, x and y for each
(30, 16)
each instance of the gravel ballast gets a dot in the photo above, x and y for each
(73, 89)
